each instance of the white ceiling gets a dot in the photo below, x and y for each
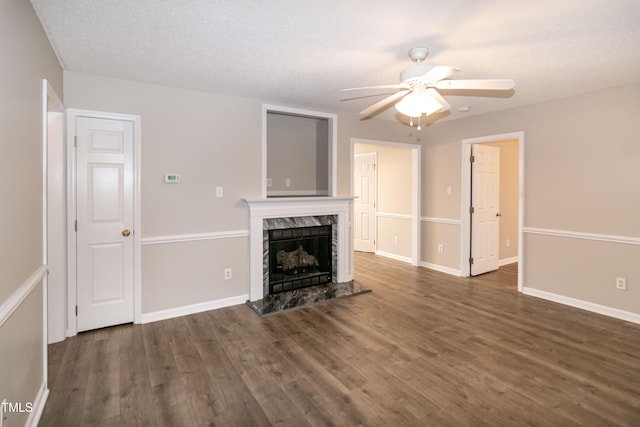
(302, 53)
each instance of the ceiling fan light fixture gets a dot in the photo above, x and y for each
(414, 105)
(418, 92)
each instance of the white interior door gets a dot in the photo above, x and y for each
(364, 204)
(104, 182)
(485, 201)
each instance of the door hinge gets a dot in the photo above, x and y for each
(75, 141)
(76, 310)
(472, 210)
(471, 261)
(75, 225)
(472, 159)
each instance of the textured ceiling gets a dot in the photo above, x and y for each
(302, 53)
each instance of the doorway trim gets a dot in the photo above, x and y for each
(52, 107)
(465, 232)
(72, 115)
(54, 213)
(415, 196)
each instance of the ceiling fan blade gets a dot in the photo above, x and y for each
(477, 84)
(388, 100)
(434, 93)
(438, 73)
(396, 86)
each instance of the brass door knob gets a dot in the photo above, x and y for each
(498, 214)
(126, 232)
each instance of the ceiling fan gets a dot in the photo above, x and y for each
(418, 90)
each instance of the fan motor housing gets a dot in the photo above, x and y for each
(414, 72)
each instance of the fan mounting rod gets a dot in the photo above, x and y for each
(417, 55)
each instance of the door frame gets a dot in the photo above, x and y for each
(375, 197)
(416, 156)
(54, 220)
(72, 287)
(465, 232)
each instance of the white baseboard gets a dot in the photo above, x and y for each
(507, 261)
(193, 309)
(584, 305)
(457, 272)
(38, 406)
(394, 256)
(441, 268)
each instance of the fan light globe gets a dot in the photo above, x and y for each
(414, 105)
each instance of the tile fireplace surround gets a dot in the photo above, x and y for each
(297, 207)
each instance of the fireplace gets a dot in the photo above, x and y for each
(298, 252)
(299, 257)
(298, 222)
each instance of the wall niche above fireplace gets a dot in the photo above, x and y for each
(299, 152)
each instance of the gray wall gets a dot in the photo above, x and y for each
(579, 178)
(581, 163)
(210, 140)
(27, 59)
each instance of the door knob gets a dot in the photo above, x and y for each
(498, 214)
(126, 232)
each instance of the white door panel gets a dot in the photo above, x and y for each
(364, 224)
(104, 212)
(106, 202)
(364, 209)
(107, 282)
(485, 200)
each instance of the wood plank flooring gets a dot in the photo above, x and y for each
(424, 348)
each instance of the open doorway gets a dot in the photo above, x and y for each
(511, 200)
(397, 198)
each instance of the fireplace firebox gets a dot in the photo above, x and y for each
(299, 257)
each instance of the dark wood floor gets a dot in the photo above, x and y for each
(423, 349)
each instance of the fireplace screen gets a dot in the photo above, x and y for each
(299, 257)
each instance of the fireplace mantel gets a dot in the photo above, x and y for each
(260, 209)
